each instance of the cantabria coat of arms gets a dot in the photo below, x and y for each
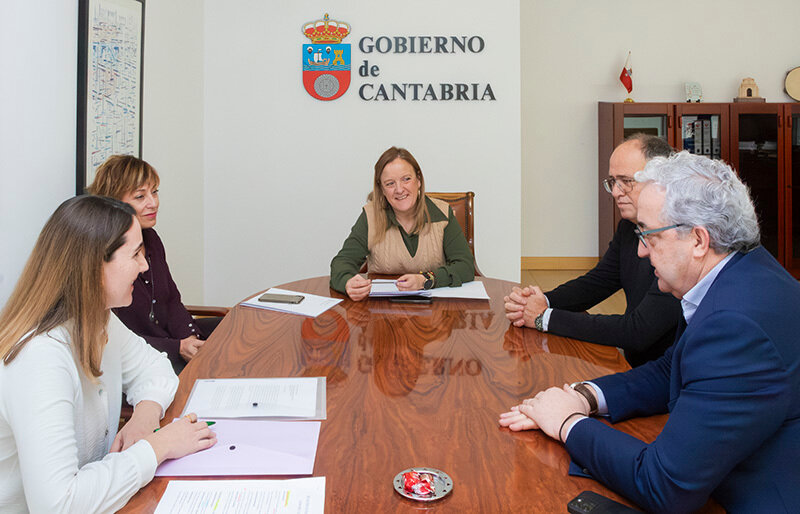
(326, 61)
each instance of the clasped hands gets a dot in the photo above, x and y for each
(546, 411)
(358, 287)
(523, 305)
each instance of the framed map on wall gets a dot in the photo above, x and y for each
(110, 51)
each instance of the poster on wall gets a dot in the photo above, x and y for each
(110, 45)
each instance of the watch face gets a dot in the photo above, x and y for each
(428, 284)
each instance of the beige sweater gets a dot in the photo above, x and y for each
(390, 256)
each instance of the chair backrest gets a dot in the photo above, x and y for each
(463, 209)
(462, 205)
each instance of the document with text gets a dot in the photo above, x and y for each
(306, 495)
(282, 398)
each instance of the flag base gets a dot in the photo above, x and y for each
(629, 100)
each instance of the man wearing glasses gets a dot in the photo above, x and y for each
(730, 381)
(647, 328)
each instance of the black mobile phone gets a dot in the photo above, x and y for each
(281, 298)
(589, 502)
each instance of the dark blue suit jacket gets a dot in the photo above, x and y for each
(731, 384)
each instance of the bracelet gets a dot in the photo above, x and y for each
(565, 422)
(583, 389)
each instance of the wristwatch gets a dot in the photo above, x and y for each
(584, 390)
(538, 323)
(429, 279)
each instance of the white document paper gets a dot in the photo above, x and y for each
(306, 495)
(382, 287)
(252, 447)
(312, 305)
(471, 290)
(284, 398)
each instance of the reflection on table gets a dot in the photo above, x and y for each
(415, 385)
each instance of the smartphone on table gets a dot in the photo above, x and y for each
(281, 298)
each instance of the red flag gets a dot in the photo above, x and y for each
(626, 76)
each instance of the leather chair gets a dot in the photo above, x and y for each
(206, 311)
(463, 209)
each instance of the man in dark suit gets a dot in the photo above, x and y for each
(730, 382)
(647, 328)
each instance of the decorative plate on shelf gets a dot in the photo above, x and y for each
(792, 84)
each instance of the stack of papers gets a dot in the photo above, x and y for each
(312, 305)
(383, 288)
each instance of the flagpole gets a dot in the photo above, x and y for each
(626, 78)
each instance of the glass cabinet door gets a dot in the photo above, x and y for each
(793, 193)
(755, 154)
(651, 125)
(703, 129)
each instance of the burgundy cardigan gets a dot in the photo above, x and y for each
(155, 292)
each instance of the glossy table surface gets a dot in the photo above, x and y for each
(415, 385)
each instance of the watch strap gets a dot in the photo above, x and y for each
(430, 279)
(584, 390)
(538, 323)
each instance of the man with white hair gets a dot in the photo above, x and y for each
(730, 382)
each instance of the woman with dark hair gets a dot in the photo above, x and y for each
(66, 362)
(156, 313)
(402, 231)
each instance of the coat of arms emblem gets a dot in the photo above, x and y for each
(326, 61)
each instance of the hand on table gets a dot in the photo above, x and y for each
(181, 437)
(524, 305)
(189, 347)
(145, 419)
(358, 287)
(411, 282)
(546, 411)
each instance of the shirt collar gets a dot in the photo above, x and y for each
(433, 212)
(691, 300)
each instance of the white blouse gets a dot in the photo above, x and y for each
(57, 426)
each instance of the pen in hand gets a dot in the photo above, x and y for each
(209, 423)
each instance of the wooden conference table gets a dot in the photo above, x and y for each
(415, 385)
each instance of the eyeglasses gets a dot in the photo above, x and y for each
(642, 234)
(624, 184)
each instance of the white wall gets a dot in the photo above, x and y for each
(38, 59)
(38, 63)
(286, 175)
(172, 133)
(572, 53)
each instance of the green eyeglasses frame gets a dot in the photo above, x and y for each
(642, 234)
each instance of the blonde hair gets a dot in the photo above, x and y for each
(122, 174)
(63, 280)
(379, 203)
